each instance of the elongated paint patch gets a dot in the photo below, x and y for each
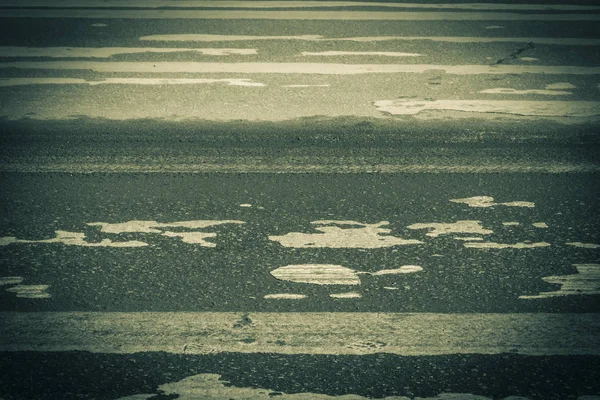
(347, 295)
(30, 291)
(488, 201)
(106, 52)
(545, 92)
(136, 226)
(126, 81)
(583, 245)
(73, 239)
(585, 282)
(541, 225)
(398, 106)
(318, 274)
(344, 234)
(514, 107)
(10, 280)
(193, 237)
(405, 269)
(360, 53)
(285, 296)
(438, 228)
(493, 245)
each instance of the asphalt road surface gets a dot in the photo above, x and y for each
(299, 200)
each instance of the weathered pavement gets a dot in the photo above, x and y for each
(232, 200)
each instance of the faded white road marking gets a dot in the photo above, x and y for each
(511, 223)
(30, 291)
(493, 245)
(525, 108)
(584, 245)
(469, 239)
(487, 201)
(361, 53)
(585, 282)
(287, 4)
(99, 25)
(306, 68)
(438, 228)
(106, 52)
(530, 59)
(125, 81)
(313, 333)
(331, 274)
(542, 225)
(211, 387)
(455, 39)
(73, 239)
(526, 91)
(366, 236)
(405, 269)
(341, 15)
(285, 296)
(495, 27)
(560, 85)
(304, 86)
(391, 288)
(10, 280)
(245, 205)
(135, 226)
(347, 295)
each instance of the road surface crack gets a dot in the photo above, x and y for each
(515, 54)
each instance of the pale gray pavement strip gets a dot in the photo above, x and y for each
(302, 333)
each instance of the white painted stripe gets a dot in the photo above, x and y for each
(286, 4)
(293, 15)
(493, 245)
(318, 38)
(285, 296)
(514, 107)
(297, 68)
(106, 52)
(347, 295)
(124, 81)
(312, 333)
(360, 53)
(584, 245)
(544, 92)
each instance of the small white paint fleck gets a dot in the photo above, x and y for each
(30, 291)
(437, 255)
(438, 229)
(99, 25)
(366, 236)
(319, 274)
(585, 282)
(285, 296)
(512, 223)
(488, 201)
(10, 280)
(468, 238)
(245, 205)
(492, 245)
(542, 225)
(391, 288)
(583, 245)
(347, 295)
(560, 85)
(528, 59)
(405, 269)
(526, 91)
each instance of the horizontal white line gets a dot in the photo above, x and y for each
(191, 37)
(301, 333)
(297, 68)
(294, 15)
(286, 4)
(5, 82)
(515, 107)
(106, 52)
(361, 53)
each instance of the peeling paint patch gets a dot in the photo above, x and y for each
(154, 227)
(514, 107)
(30, 291)
(348, 295)
(488, 201)
(10, 280)
(73, 239)
(285, 296)
(541, 225)
(583, 245)
(193, 237)
(319, 274)
(405, 269)
(512, 223)
(438, 229)
(585, 282)
(492, 245)
(344, 234)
